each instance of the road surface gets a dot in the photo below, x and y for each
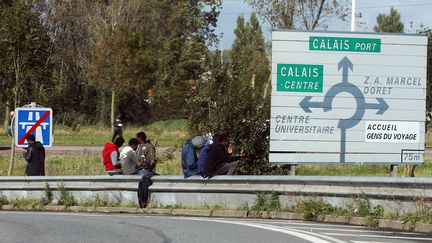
(70, 227)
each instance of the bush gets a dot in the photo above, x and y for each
(65, 198)
(3, 200)
(313, 208)
(266, 202)
(48, 197)
(375, 215)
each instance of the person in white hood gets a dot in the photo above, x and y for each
(129, 159)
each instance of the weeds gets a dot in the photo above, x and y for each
(48, 195)
(26, 202)
(65, 197)
(313, 208)
(3, 200)
(375, 215)
(266, 202)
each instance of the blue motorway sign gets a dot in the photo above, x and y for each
(37, 121)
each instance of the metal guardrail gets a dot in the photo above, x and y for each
(233, 191)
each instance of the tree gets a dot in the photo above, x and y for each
(389, 23)
(299, 14)
(231, 98)
(25, 50)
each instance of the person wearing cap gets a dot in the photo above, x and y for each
(189, 155)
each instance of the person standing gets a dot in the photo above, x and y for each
(118, 132)
(189, 155)
(128, 158)
(35, 157)
(219, 160)
(146, 153)
(110, 156)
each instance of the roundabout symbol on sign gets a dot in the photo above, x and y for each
(347, 87)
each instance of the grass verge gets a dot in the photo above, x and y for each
(163, 133)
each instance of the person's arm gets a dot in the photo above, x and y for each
(28, 155)
(152, 155)
(225, 157)
(115, 159)
(135, 160)
(190, 161)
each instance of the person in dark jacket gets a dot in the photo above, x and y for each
(118, 132)
(189, 155)
(35, 157)
(218, 160)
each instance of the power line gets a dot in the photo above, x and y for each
(396, 5)
(359, 7)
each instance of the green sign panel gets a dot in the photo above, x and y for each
(321, 43)
(300, 78)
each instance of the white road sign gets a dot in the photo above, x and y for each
(347, 97)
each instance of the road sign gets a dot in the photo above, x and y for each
(36, 121)
(347, 97)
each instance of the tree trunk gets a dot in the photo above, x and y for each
(7, 112)
(17, 67)
(112, 108)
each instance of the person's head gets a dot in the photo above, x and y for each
(216, 138)
(133, 143)
(224, 139)
(198, 141)
(142, 137)
(119, 141)
(30, 138)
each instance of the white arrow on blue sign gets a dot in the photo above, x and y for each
(36, 121)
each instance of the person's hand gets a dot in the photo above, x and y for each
(242, 154)
(230, 150)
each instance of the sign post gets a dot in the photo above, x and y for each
(348, 98)
(35, 120)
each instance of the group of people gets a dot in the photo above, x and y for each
(137, 158)
(209, 156)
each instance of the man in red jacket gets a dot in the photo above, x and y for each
(110, 156)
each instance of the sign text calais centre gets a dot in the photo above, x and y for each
(347, 97)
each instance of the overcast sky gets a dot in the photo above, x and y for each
(417, 11)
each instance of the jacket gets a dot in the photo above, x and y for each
(129, 161)
(189, 159)
(106, 156)
(146, 153)
(202, 157)
(217, 155)
(35, 157)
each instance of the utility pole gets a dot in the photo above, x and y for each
(221, 50)
(353, 14)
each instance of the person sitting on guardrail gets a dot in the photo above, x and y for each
(189, 155)
(35, 157)
(146, 153)
(211, 139)
(110, 156)
(219, 160)
(129, 159)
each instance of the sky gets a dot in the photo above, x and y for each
(415, 11)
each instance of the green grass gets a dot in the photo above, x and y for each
(162, 133)
(424, 170)
(168, 164)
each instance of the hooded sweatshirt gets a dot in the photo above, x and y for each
(35, 157)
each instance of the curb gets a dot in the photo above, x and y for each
(358, 221)
(229, 214)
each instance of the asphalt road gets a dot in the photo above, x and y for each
(67, 227)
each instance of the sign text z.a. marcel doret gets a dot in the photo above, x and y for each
(347, 97)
